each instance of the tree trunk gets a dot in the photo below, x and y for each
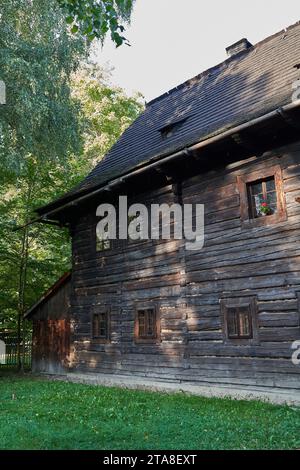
(21, 295)
(22, 282)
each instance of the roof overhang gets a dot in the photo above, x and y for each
(286, 116)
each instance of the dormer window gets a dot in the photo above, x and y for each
(170, 129)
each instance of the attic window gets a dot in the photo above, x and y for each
(170, 129)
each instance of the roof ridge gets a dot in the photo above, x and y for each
(221, 65)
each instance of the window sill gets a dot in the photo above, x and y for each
(241, 342)
(263, 221)
(147, 341)
(100, 341)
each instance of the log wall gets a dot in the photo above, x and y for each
(51, 329)
(187, 287)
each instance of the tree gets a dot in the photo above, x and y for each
(39, 126)
(38, 56)
(33, 258)
(106, 111)
(95, 18)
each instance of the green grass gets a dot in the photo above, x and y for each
(38, 414)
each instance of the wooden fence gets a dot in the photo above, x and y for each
(9, 359)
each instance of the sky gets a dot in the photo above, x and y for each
(174, 40)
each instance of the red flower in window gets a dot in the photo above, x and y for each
(265, 209)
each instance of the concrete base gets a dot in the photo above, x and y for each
(272, 395)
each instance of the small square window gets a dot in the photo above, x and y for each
(102, 245)
(239, 320)
(262, 198)
(146, 324)
(239, 323)
(170, 129)
(100, 326)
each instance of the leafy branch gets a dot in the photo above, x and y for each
(96, 18)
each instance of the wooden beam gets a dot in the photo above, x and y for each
(191, 154)
(244, 142)
(164, 173)
(41, 221)
(288, 119)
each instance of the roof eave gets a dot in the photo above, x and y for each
(51, 211)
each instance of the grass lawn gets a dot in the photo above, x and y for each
(37, 414)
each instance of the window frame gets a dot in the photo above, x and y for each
(147, 340)
(251, 304)
(170, 129)
(242, 183)
(95, 240)
(265, 192)
(104, 249)
(101, 339)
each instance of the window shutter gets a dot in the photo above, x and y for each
(239, 319)
(244, 320)
(232, 323)
(142, 323)
(95, 325)
(146, 327)
(100, 326)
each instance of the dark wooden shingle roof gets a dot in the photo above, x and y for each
(241, 88)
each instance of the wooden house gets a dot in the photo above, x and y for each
(51, 326)
(228, 313)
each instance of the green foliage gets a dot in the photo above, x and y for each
(56, 125)
(106, 111)
(57, 415)
(95, 18)
(48, 254)
(38, 55)
(39, 129)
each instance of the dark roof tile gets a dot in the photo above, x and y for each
(241, 88)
